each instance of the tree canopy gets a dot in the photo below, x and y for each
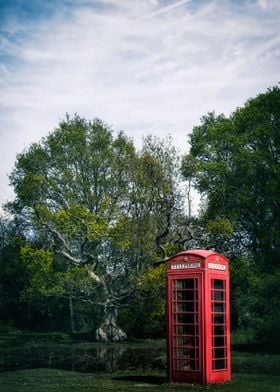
(234, 162)
(100, 204)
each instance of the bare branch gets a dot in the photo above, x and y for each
(71, 258)
(164, 234)
(95, 277)
(66, 252)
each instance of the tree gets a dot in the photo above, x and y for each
(237, 170)
(234, 163)
(102, 205)
(13, 275)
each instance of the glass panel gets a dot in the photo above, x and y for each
(183, 352)
(187, 318)
(218, 341)
(185, 295)
(186, 364)
(192, 353)
(192, 364)
(185, 284)
(218, 307)
(182, 340)
(219, 364)
(219, 284)
(181, 364)
(189, 341)
(218, 318)
(219, 330)
(185, 307)
(219, 295)
(186, 330)
(219, 353)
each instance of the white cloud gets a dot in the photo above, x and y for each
(170, 7)
(158, 74)
(263, 4)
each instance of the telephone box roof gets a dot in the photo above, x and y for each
(198, 252)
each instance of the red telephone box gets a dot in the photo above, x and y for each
(198, 317)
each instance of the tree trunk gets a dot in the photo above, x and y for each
(71, 314)
(109, 331)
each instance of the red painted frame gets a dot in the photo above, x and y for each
(198, 329)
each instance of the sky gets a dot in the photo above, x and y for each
(142, 66)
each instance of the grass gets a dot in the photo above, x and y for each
(53, 380)
(38, 363)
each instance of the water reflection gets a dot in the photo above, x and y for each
(85, 359)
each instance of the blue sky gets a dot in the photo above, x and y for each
(144, 66)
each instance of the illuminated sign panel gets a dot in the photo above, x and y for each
(185, 265)
(217, 266)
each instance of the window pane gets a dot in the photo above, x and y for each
(218, 318)
(192, 365)
(219, 330)
(185, 330)
(187, 318)
(218, 341)
(185, 295)
(184, 284)
(218, 307)
(185, 340)
(219, 364)
(187, 364)
(185, 307)
(219, 295)
(183, 352)
(181, 364)
(219, 353)
(219, 284)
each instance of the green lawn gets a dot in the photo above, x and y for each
(52, 380)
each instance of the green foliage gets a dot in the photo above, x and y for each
(13, 276)
(146, 316)
(221, 226)
(154, 278)
(266, 308)
(234, 163)
(98, 205)
(245, 284)
(38, 264)
(219, 233)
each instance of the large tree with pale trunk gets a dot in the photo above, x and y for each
(101, 205)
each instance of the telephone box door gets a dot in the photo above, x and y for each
(185, 328)
(217, 329)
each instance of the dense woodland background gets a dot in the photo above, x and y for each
(83, 245)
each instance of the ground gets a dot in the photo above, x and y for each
(57, 363)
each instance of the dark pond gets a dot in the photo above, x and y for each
(84, 358)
